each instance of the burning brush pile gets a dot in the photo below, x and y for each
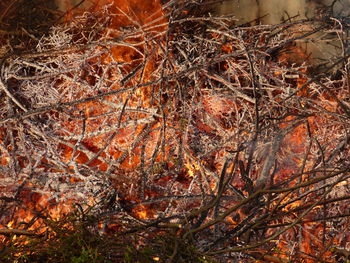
(145, 134)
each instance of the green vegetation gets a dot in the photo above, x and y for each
(76, 239)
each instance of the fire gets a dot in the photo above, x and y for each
(143, 142)
(143, 212)
(127, 13)
(193, 168)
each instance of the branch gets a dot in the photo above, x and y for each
(7, 232)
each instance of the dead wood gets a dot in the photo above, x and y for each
(184, 125)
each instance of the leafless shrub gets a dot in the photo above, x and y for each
(197, 125)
